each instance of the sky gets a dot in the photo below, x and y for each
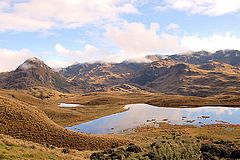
(64, 32)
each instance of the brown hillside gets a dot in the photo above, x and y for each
(168, 76)
(208, 79)
(33, 72)
(24, 121)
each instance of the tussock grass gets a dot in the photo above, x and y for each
(16, 149)
(27, 122)
(32, 118)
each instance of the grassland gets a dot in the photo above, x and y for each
(179, 142)
(24, 121)
(100, 104)
(35, 116)
(16, 149)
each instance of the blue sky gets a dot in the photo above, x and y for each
(62, 32)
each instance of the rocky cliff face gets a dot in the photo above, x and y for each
(101, 76)
(231, 57)
(196, 74)
(33, 72)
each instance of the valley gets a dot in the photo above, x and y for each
(98, 105)
(30, 114)
(119, 80)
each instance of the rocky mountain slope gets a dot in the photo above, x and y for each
(196, 80)
(231, 57)
(33, 72)
(195, 74)
(101, 76)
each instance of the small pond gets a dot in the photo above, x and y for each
(68, 105)
(143, 114)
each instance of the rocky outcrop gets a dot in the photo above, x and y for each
(231, 57)
(33, 72)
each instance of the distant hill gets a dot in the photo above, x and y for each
(33, 72)
(231, 57)
(195, 80)
(194, 73)
(101, 76)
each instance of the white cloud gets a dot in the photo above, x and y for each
(154, 27)
(11, 59)
(4, 4)
(20, 23)
(173, 27)
(161, 8)
(136, 40)
(89, 53)
(36, 15)
(56, 64)
(204, 7)
(60, 49)
(211, 43)
(88, 49)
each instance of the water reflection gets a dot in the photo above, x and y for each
(139, 114)
(68, 105)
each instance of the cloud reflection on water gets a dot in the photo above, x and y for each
(139, 114)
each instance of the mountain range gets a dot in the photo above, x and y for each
(193, 73)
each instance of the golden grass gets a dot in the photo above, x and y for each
(16, 149)
(181, 142)
(101, 104)
(31, 118)
(27, 122)
(207, 132)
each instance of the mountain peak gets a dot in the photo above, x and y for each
(32, 63)
(33, 59)
(34, 72)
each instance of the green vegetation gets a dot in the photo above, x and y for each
(15, 149)
(170, 142)
(29, 116)
(167, 149)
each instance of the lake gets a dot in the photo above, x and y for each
(143, 114)
(68, 105)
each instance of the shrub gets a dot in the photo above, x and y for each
(66, 150)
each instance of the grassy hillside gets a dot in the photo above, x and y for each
(168, 142)
(16, 149)
(26, 115)
(27, 122)
(101, 104)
